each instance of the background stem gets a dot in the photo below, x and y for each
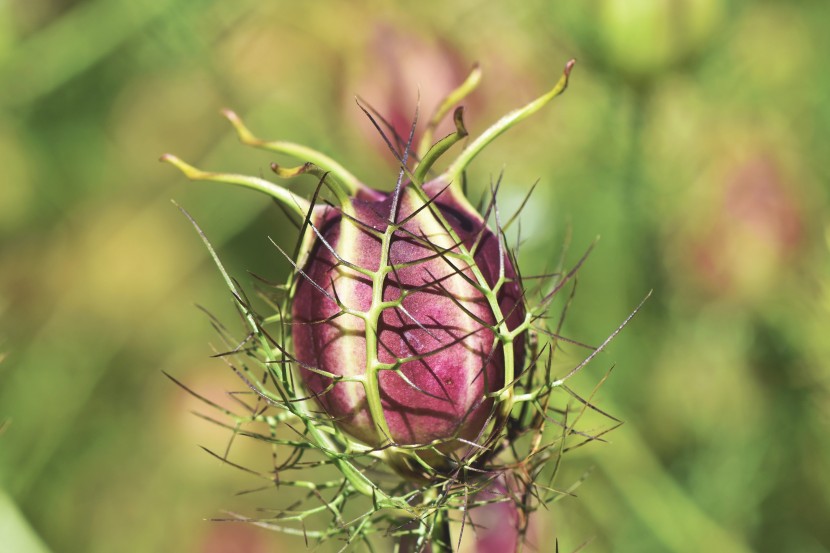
(441, 541)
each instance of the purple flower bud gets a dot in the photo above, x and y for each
(426, 322)
(409, 330)
(408, 320)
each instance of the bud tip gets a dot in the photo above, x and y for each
(229, 114)
(569, 66)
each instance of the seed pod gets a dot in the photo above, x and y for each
(402, 340)
(413, 318)
(407, 317)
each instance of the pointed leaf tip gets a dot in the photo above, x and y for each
(289, 172)
(231, 116)
(243, 133)
(437, 149)
(458, 119)
(569, 66)
(188, 170)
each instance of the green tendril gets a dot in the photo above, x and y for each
(472, 150)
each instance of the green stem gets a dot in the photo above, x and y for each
(347, 180)
(441, 541)
(298, 204)
(408, 543)
(372, 382)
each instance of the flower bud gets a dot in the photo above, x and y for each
(407, 318)
(414, 318)
(402, 340)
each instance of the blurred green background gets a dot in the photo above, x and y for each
(693, 139)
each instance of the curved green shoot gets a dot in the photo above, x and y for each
(463, 90)
(347, 180)
(309, 168)
(473, 149)
(438, 149)
(290, 200)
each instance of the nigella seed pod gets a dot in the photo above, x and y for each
(401, 372)
(408, 325)
(399, 305)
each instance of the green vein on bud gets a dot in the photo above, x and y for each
(470, 152)
(502, 332)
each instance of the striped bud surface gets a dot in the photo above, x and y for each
(414, 324)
